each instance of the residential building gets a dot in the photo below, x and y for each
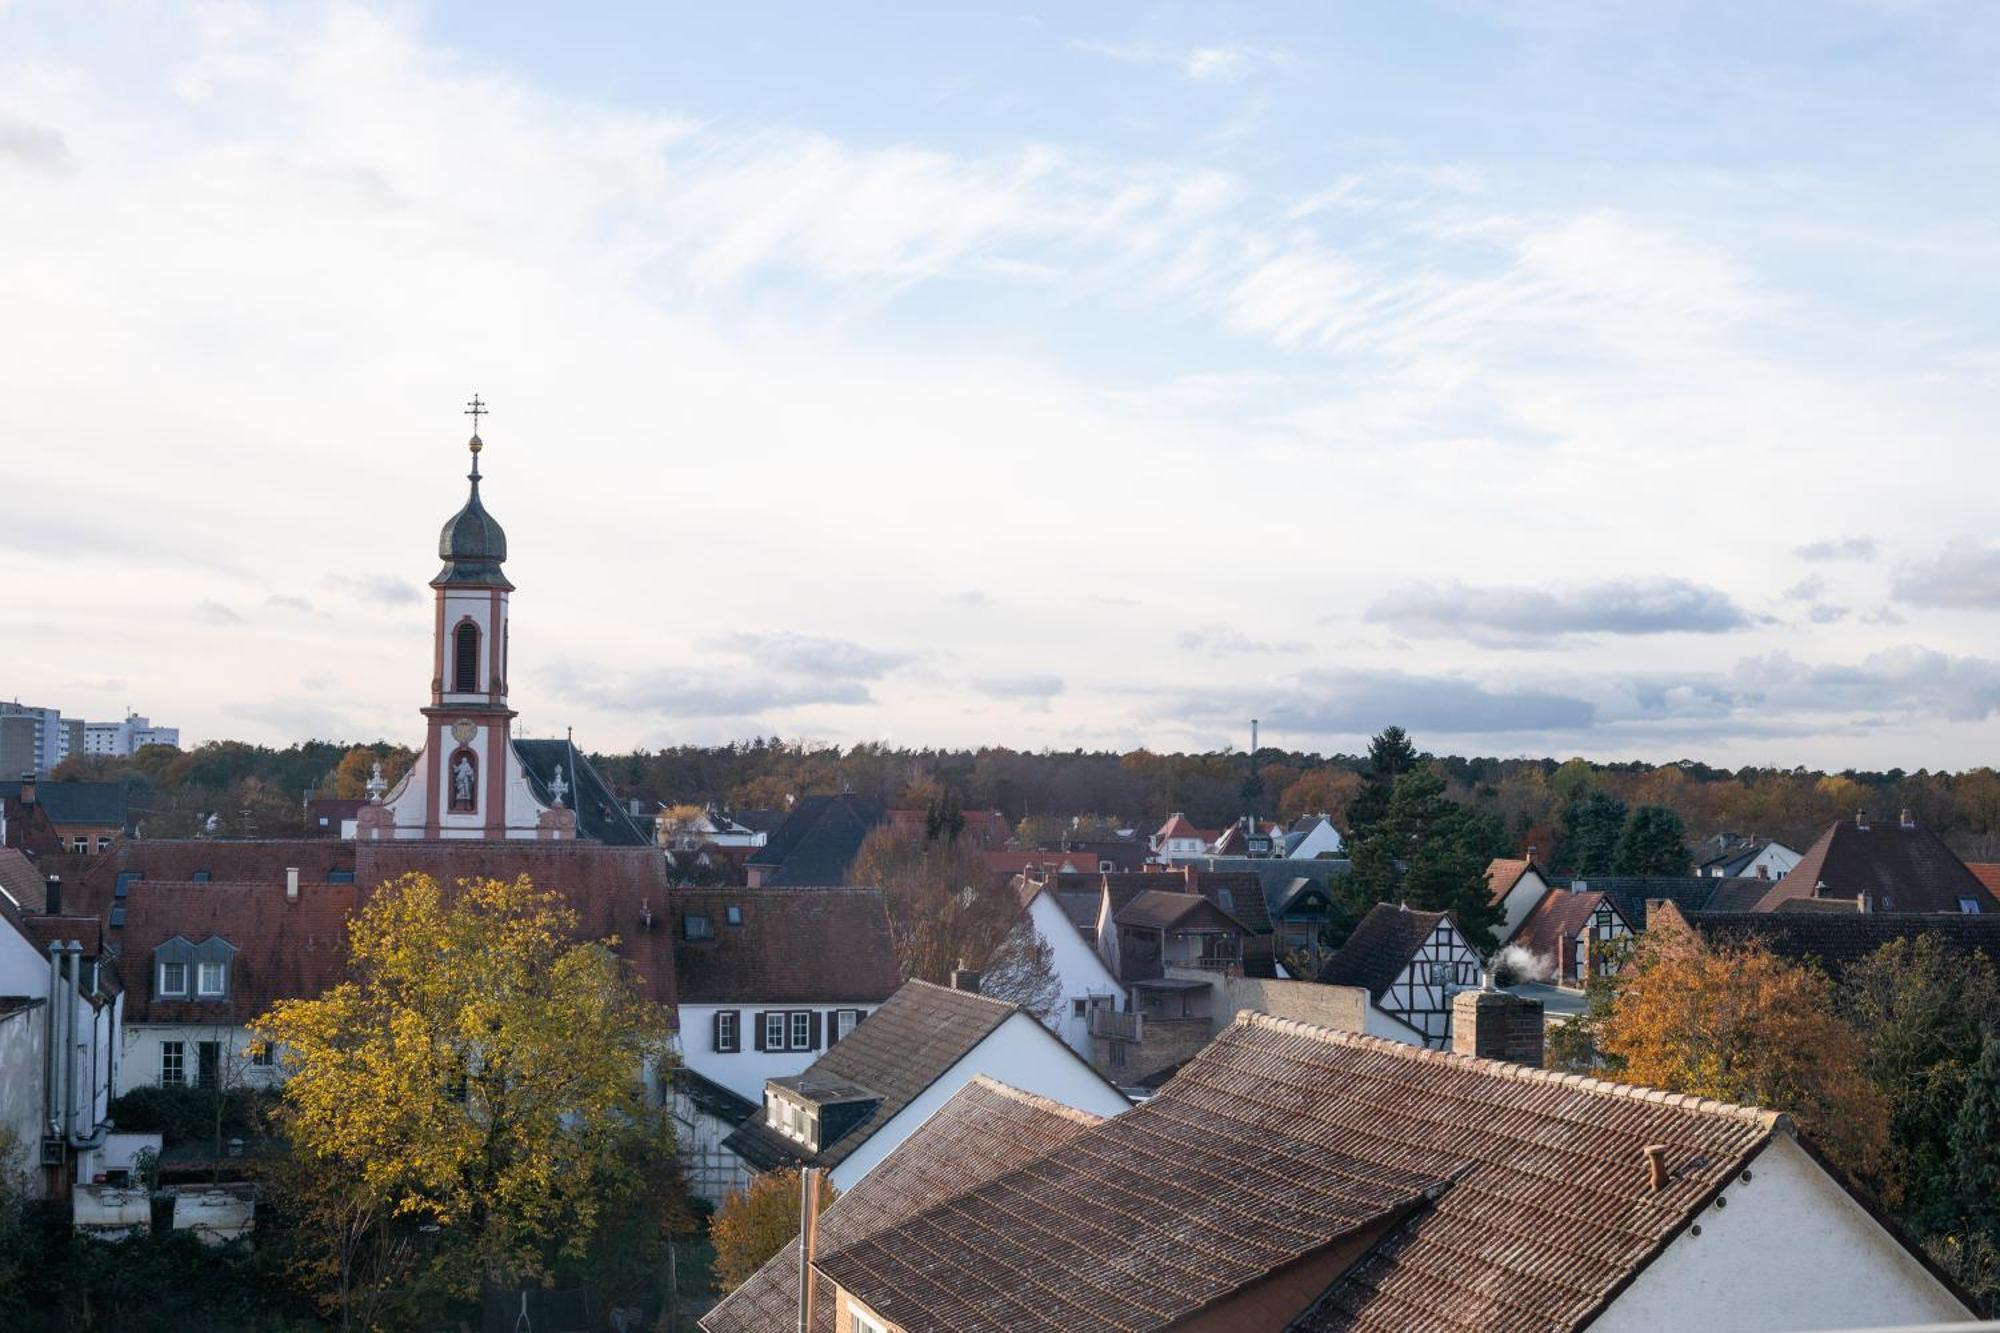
(767, 981)
(1087, 981)
(1569, 937)
(1515, 887)
(34, 739)
(333, 816)
(1292, 1177)
(1889, 866)
(1728, 856)
(1411, 964)
(817, 842)
(119, 739)
(1313, 838)
(851, 1107)
(1298, 900)
(76, 817)
(985, 829)
(1836, 940)
(983, 1131)
(710, 827)
(1178, 840)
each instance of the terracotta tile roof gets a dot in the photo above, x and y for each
(1901, 867)
(1380, 948)
(1987, 873)
(1502, 875)
(899, 1050)
(987, 1128)
(1560, 915)
(43, 930)
(806, 945)
(1839, 939)
(1177, 826)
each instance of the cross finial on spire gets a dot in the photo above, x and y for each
(476, 409)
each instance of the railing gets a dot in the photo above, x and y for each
(1111, 1024)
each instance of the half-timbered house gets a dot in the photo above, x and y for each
(1570, 933)
(1411, 964)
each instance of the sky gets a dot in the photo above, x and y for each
(1617, 379)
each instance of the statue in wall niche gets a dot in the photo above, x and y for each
(464, 780)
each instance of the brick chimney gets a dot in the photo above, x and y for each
(27, 789)
(965, 979)
(1494, 1025)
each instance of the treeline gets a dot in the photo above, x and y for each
(261, 790)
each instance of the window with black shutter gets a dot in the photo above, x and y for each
(812, 1038)
(728, 1038)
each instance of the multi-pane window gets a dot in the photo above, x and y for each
(173, 1066)
(210, 979)
(726, 1036)
(263, 1055)
(845, 1021)
(173, 978)
(774, 1032)
(801, 1031)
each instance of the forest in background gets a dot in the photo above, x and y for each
(259, 790)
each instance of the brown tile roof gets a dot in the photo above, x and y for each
(1987, 873)
(44, 930)
(805, 945)
(22, 879)
(1560, 915)
(1746, 893)
(899, 1050)
(1157, 910)
(1380, 948)
(1239, 893)
(987, 1128)
(1901, 867)
(1839, 939)
(1833, 905)
(1144, 1219)
(1278, 1136)
(1503, 874)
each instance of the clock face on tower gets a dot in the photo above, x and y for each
(463, 731)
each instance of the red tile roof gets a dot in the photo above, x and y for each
(284, 950)
(1987, 873)
(793, 945)
(1503, 874)
(1560, 915)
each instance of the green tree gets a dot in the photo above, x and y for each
(1972, 1240)
(1587, 844)
(1430, 852)
(1390, 755)
(1653, 842)
(479, 1073)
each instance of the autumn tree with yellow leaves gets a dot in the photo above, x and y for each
(1733, 1022)
(468, 1106)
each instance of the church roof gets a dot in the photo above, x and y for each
(472, 544)
(600, 816)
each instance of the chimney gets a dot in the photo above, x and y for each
(808, 1243)
(1531, 853)
(1656, 1165)
(1493, 1025)
(1763, 872)
(965, 979)
(1907, 820)
(52, 895)
(27, 789)
(291, 884)
(1861, 820)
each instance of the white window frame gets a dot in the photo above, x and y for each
(263, 1055)
(799, 1030)
(857, 1322)
(728, 1032)
(844, 1022)
(182, 988)
(774, 1016)
(202, 972)
(177, 1050)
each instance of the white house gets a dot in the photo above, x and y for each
(1726, 856)
(1515, 886)
(1569, 935)
(1312, 837)
(1087, 980)
(1178, 840)
(1411, 964)
(861, 1099)
(768, 980)
(58, 1047)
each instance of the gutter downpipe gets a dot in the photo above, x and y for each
(52, 1057)
(94, 1139)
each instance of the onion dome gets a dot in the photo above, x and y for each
(472, 544)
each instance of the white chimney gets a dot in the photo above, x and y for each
(291, 884)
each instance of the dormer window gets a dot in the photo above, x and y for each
(696, 926)
(465, 658)
(1969, 906)
(173, 978)
(211, 980)
(733, 914)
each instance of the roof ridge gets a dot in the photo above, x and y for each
(964, 994)
(1034, 1099)
(1519, 1073)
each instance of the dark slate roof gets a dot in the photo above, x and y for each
(987, 1128)
(22, 879)
(897, 1051)
(1380, 948)
(711, 1097)
(1630, 893)
(1240, 895)
(821, 947)
(1901, 867)
(1748, 893)
(817, 844)
(1279, 876)
(1840, 939)
(471, 543)
(760, 821)
(95, 804)
(600, 815)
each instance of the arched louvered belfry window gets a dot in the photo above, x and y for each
(465, 658)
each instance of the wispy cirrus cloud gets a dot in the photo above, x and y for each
(1223, 641)
(1518, 615)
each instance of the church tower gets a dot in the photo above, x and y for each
(467, 741)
